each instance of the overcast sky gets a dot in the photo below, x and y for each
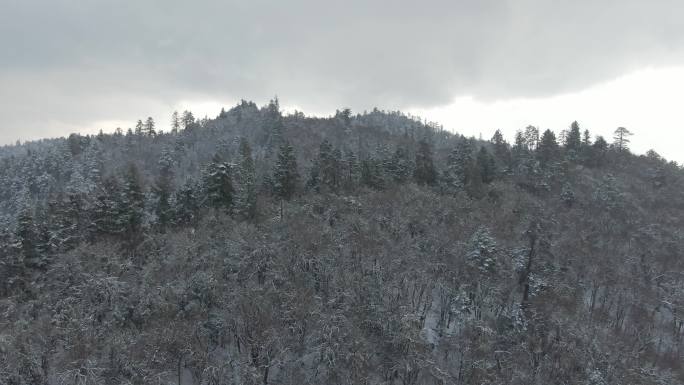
(474, 66)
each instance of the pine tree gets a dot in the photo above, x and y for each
(139, 128)
(482, 254)
(502, 153)
(107, 210)
(218, 184)
(520, 150)
(351, 170)
(573, 141)
(187, 120)
(132, 205)
(459, 163)
(424, 172)
(93, 164)
(372, 172)
(247, 196)
(175, 123)
(548, 148)
(586, 154)
(75, 144)
(67, 224)
(486, 165)
(586, 139)
(274, 126)
(27, 237)
(285, 174)
(621, 140)
(149, 127)
(400, 165)
(187, 203)
(329, 164)
(162, 189)
(313, 181)
(344, 116)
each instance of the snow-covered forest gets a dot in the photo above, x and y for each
(373, 248)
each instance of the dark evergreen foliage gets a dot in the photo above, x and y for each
(406, 255)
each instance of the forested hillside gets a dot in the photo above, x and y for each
(373, 248)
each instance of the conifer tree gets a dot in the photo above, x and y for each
(218, 184)
(599, 149)
(139, 128)
(573, 141)
(400, 165)
(107, 210)
(187, 120)
(424, 172)
(132, 205)
(621, 139)
(501, 149)
(314, 180)
(482, 250)
(187, 203)
(175, 123)
(93, 165)
(162, 189)
(326, 168)
(548, 148)
(65, 213)
(351, 169)
(149, 127)
(274, 126)
(27, 236)
(587, 150)
(486, 165)
(586, 138)
(459, 163)
(520, 151)
(371, 172)
(247, 197)
(285, 174)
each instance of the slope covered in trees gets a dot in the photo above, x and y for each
(260, 248)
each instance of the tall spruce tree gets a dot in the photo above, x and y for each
(175, 123)
(548, 148)
(400, 165)
(351, 170)
(486, 165)
(187, 120)
(187, 207)
(107, 210)
(132, 207)
(573, 141)
(501, 149)
(285, 174)
(424, 172)
(139, 127)
(162, 189)
(329, 163)
(247, 193)
(459, 163)
(149, 127)
(218, 184)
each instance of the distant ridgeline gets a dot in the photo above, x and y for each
(372, 248)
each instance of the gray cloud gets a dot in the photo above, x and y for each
(67, 63)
